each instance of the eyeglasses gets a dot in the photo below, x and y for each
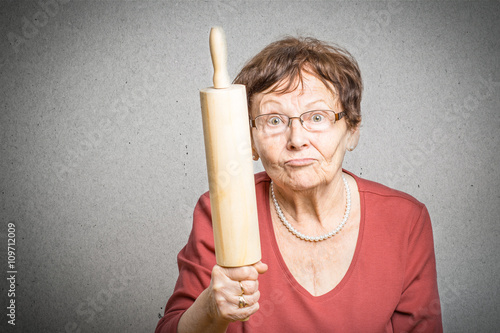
(313, 121)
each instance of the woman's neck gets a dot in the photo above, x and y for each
(321, 206)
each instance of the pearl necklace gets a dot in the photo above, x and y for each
(312, 238)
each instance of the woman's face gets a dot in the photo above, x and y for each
(297, 158)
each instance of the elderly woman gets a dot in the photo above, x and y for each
(344, 254)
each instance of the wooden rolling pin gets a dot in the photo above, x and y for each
(229, 163)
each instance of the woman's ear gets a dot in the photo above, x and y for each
(255, 155)
(353, 139)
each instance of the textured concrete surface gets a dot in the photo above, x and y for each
(102, 156)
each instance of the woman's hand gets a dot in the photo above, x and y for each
(226, 288)
(219, 304)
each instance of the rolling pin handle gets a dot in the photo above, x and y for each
(218, 50)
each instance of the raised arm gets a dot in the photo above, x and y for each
(206, 296)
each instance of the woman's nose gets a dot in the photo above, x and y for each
(297, 134)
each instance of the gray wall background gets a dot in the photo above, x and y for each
(102, 156)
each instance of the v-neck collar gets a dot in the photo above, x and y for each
(291, 279)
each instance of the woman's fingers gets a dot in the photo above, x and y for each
(238, 278)
(236, 307)
(249, 287)
(235, 290)
(248, 300)
(260, 267)
(241, 273)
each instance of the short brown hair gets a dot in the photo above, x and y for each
(286, 59)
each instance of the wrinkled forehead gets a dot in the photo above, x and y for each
(307, 87)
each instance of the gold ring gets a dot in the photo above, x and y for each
(242, 303)
(242, 290)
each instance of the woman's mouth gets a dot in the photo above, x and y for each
(298, 162)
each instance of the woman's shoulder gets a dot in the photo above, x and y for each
(384, 193)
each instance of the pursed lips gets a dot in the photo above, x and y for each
(298, 162)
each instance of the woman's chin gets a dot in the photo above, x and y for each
(302, 181)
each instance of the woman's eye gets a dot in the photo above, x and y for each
(274, 121)
(317, 118)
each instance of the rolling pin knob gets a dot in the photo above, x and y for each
(218, 50)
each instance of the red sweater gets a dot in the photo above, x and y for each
(390, 285)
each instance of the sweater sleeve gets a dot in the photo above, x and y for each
(195, 262)
(419, 308)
